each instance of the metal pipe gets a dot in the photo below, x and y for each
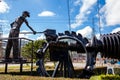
(30, 32)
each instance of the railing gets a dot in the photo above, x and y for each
(22, 42)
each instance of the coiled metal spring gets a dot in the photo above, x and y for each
(111, 45)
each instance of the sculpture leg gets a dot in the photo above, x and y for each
(8, 46)
(15, 49)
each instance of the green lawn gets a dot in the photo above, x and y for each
(14, 74)
(22, 77)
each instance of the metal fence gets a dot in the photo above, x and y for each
(22, 42)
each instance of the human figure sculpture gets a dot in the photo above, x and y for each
(14, 33)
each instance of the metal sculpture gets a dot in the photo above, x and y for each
(60, 45)
(14, 32)
(108, 45)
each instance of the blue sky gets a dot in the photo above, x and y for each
(53, 14)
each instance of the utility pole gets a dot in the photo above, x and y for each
(1, 32)
(68, 6)
(98, 2)
(93, 28)
(1, 49)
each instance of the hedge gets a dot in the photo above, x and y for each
(105, 77)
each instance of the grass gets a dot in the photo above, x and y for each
(14, 74)
(16, 77)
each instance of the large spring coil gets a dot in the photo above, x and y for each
(110, 45)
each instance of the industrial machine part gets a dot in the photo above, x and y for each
(59, 48)
(60, 45)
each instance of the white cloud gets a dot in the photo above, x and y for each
(5, 26)
(87, 4)
(24, 35)
(42, 36)
(77, 2)
(84, 9)
(4, 7)
(3, 21)
(115, 30)
(5, 35)
(46, 13)
(20, 35)
(86, 32)
(97, 35)
(28, 36)
(111, 12)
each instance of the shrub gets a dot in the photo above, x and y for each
(105, 77)
(110, 77)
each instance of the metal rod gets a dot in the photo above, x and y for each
(30, 32)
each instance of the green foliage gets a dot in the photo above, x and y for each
(105, 77)
(95, 78)
(38, 44)
(99, 71)
(110, 77)
(27, 49)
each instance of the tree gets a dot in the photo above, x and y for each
(27, 48)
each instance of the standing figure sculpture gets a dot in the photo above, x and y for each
(14, 33)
